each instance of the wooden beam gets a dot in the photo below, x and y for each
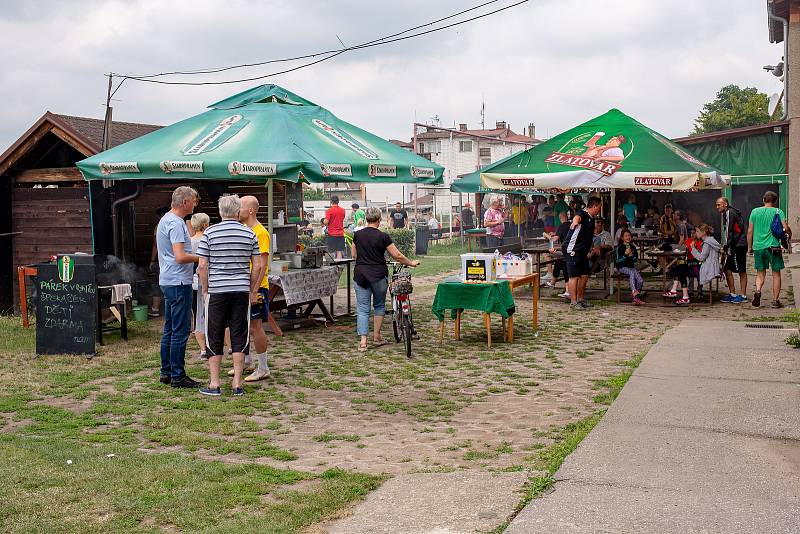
(25, 147)
(52, 175)
(73, 142)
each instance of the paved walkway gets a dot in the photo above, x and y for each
(705, 437)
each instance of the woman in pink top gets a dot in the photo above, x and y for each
(493, 220)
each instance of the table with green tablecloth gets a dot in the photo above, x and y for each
(490, 297)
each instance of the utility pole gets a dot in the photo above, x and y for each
(107, 124)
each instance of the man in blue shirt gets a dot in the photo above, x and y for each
(175, 264)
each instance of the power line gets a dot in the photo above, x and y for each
(329, 54)
(307, 56)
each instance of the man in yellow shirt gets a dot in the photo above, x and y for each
(259, 310)
(519, 216)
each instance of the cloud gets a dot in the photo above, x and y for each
(553, 63)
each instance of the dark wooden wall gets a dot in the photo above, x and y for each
(142, 217)
(51, 220)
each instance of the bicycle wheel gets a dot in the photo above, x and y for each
(407, 334)
(396, 317)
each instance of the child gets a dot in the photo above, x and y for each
(626, 258)
(708, 255)
(680, 273)
(694, 264)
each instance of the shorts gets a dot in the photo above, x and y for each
(260, 310)
(335, 243)
(737, 260)
(228, 310)
(767, 259)
(577, 265)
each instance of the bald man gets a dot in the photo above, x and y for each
(259, 310)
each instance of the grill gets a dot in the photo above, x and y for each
(765, 325)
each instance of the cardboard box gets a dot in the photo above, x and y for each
(479, 267)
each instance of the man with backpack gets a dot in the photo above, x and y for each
(734, 242)
(767, 229)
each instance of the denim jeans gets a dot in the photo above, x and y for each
(493, 241)
(177, 323)
(372, 297)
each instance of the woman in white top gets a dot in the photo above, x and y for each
(199, 223)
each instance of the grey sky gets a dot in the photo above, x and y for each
(551, 62)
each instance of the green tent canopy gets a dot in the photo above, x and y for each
(263, 133)
(611, 151)
(471, 183)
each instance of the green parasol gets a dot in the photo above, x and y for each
(611, 151)
(263, 133)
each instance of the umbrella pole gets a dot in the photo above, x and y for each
(270, 210)
(613, 217)
(461, 214)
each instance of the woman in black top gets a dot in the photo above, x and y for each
(371, 276)
(626, 258)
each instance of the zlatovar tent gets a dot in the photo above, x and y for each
(611, 151)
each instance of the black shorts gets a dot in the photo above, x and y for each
(228, 310)
(260, 310)
(737, 260)
(335, 243)
(577, 265)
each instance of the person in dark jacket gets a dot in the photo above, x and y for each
(733, 235)
(625, 259)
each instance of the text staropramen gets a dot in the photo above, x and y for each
(236, 168)
(116, 167)
(382, 170)
(336, 134)
(423, 172)
(181, 166)
(337, 169)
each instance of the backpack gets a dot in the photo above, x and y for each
(777, 228)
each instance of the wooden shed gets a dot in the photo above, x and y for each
(45, 205)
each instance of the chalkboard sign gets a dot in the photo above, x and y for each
(294, 200)
(66, 311)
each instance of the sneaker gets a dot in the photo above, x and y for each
(756, 299)
(777, 304)
(576, 306)
(547, 278)
(737, 299)
(245, 370)
(203, 356)
(744, 298)
(211, 392)
(727, 298)
(669, 294)
(549, 283)
(238, 392)
(185, 382)
(257, 375)
(165, 379)
(564, 295)
(682, 300)
(637, 301)
(585, 303)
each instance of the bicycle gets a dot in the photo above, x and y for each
(402, 320)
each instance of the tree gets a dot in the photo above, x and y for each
(313, 193)
(733, 107)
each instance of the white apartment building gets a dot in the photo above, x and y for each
(462, 151)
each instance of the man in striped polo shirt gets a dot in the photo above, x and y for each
(225, 252)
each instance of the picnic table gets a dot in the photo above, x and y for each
(669, 257)
(474, 233)
(646, 243)
(488, 297)
(540, 250)
(302, 287)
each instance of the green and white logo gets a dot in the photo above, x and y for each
(66, 269)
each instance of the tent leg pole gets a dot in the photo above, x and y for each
(613, 217)
(270, 210)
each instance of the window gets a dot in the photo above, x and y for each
(465, 146)
(486, 152)
(421, 148)
(434, 146)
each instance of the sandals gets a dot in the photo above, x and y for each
(376, 344)
(362, 348)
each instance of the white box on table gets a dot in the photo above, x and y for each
(479, 266)
(514, 268)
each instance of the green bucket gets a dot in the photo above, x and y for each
(140, 313)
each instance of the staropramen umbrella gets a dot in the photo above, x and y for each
(263, 133)
(611, 151)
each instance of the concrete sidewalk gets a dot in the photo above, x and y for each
(705, 437)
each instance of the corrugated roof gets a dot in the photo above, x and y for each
(501, 134)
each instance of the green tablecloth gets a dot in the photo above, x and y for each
(489, 298)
